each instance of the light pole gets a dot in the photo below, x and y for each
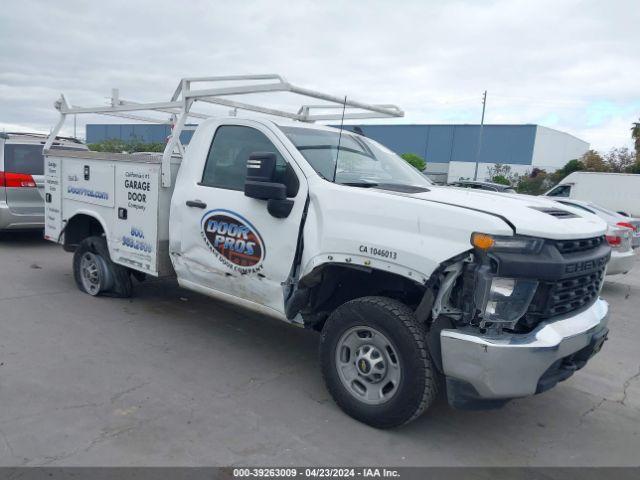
(484, 104)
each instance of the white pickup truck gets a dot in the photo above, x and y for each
(413, 287)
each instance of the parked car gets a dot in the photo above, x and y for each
(621, 235)
(613, 219)
(619, 192)
(22, 178)
(622, 254)
(490, 186)
(408, 283)
(635, 224)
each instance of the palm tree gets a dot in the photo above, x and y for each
(635, 134)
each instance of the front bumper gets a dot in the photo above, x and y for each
(484, 371)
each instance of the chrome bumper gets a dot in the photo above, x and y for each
(514, 365)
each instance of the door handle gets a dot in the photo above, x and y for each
(196, 204)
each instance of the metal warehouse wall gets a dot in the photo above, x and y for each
(129, 132)
(554, 149)
(511, 144)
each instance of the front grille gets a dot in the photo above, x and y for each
(570, 274)
(574, 293)
(564, 296)
(571, 246)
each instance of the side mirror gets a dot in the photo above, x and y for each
(260, 184)
(261, 169)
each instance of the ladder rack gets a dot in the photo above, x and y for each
(215, 92)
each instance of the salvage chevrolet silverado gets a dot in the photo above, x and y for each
(412, 286)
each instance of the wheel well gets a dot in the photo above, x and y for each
(329, 286)
(80, 227)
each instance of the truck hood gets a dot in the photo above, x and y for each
(528, 215)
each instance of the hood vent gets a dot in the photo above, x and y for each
(555, 212)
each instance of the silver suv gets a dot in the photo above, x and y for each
(22, 178)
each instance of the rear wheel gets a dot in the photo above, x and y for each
(95, 273)
(375, 362)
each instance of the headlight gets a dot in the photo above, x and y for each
(507, 300)
(515, 244)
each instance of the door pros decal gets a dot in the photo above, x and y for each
(233, 240)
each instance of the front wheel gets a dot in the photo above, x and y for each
(375, 362)
(95, 273)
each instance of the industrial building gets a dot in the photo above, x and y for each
(450, 150)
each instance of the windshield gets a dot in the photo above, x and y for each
(361, 161)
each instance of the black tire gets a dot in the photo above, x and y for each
(114, 279)
(417, 387)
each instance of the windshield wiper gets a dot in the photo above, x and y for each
(394, 187)
(401, 187)
(360, 184)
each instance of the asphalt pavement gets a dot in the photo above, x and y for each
(171, 377)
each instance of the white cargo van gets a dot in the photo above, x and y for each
(619, 192)
(412, 286)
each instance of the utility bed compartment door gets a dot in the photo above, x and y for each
(89, 181)
(134, 239)
(52, 198)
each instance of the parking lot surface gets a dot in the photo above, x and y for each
(170, 377)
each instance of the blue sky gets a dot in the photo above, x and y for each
(567, 64)
(600, 112)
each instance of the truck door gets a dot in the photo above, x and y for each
(229, 243)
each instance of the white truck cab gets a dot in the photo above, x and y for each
(413, 287)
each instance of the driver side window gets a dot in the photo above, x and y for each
(226, 165)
